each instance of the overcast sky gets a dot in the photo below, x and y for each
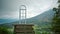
(10, 8)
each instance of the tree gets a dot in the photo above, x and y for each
(3, 30)
(56, 19)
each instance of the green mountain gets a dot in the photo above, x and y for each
(43, 19)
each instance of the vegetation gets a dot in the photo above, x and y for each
(40, 30)
(56, 19)
(4, 30)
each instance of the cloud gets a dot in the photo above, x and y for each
(10, 8)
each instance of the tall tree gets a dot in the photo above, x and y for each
(56, 20)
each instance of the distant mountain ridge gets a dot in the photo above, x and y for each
(2, 21)
(42, 19)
